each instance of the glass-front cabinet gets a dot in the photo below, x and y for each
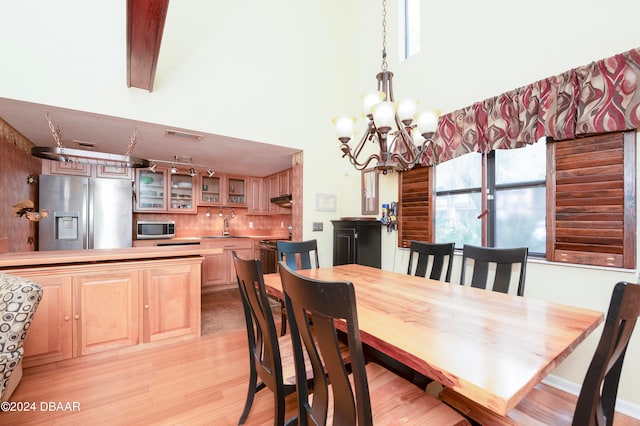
(150, 190)
(182, 191)
(161, 191)
(210, 190)
(236, 194)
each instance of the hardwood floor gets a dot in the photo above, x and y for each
(197, 382)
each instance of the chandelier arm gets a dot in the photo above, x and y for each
(362, 166)
(364, 138)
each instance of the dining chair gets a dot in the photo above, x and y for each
(499, 259)
(271, 357)
(297, 255)
(371, 393)
(437, 252)
(597, 398)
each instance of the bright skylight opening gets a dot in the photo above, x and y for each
(409, 37)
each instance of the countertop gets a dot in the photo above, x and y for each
(60, 257)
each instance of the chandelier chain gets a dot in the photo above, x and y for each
(385, 66)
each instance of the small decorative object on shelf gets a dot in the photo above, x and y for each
(25, 208)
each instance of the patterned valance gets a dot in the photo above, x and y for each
(599, 97)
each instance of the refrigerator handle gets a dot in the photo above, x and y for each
(89, 241)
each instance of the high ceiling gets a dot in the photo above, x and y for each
(109, 134)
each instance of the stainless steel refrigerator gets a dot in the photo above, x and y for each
(84, 213)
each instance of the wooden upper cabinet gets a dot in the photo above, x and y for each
(161, 191)
(210, 190)
(284, 182)
(150, 190)
(258, 202)
(182, 189)
(50, 167)
(236, 192)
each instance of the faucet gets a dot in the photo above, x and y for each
(225, 225)
(225, 221)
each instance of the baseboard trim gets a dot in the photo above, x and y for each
(624, 407)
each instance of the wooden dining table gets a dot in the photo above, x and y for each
(489, 347)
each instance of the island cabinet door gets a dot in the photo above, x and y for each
(50, 336)
(215, 270)
(106, 311)
(171, 302)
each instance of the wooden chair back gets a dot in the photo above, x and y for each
(597, 399)
(264, 350)
(298, 254)
(425, 251)
(321, 302)
(503, 261)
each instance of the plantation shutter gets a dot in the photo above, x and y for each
(416, 206)
(591, 205)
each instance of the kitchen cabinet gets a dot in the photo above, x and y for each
(284, 182)
(236, 195)
(278, 184)
(50, 337)
(96, 307)
(182, 190)
(218, 269)
(258, 197)
(223, 190)
(106, 310)
(150, 189)
(210, 190)
(357, 240)
(171, 301)
(161, 191)
(50, 167)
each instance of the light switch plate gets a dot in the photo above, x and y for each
(317, 226)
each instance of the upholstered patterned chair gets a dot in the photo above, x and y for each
(19, 299)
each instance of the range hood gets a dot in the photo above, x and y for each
(282, 200)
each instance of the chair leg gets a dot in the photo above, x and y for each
(251, 392)
(278, 399)
(283, 319)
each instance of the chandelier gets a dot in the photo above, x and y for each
(395, 128)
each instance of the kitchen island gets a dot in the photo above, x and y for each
(110, 299)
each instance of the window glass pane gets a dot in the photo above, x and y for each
(409, 37)
(522, 164)
(457, 219)
(460, 173)
(520, 218)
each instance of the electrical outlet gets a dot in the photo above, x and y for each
(250, 225)
(317, 226)
(281, 224)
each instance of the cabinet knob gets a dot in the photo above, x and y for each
(76, 316)
(146, 306)
(67, 317)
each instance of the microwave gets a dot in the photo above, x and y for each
(154, 229)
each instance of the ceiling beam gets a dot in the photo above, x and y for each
(145, 24)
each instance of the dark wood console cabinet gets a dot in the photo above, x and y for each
(357, 240)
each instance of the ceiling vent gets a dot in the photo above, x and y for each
(183, 135)
(84, 144)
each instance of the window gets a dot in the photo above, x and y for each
(409, 37)
(578, 208)
(514, 210)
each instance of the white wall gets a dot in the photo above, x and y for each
(277, 72)
(475, 50)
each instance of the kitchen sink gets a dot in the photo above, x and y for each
(221, 236)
